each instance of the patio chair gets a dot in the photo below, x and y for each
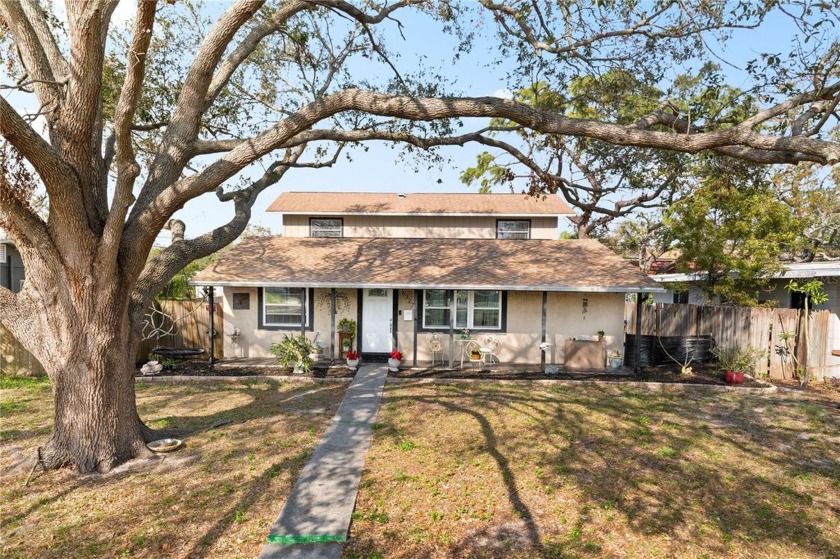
(473, 351)
(490, 350)
(436, 348)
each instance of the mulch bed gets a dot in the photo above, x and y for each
(701, 374)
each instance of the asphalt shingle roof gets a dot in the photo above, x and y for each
(349, 203)
(561, 265)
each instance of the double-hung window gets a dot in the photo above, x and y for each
(479, 310)
(513, 229)
(3, 253)
(285, 307)
(325, 227)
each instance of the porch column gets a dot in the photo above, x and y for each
(451, 328)
(332, 325)
(211, 331)
(415, 308)
(303, 310)
(637, 350)
(544, 321)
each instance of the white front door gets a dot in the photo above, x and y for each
(377, 316)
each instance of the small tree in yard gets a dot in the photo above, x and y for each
(814, 294)
(141, 122)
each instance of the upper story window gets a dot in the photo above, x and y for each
(513, 229)
(325, 227)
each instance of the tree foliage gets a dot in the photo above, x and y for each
(733, 231)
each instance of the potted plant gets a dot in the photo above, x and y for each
(465, 333)
(295, 352)
(352, 358)
(600, 335)
(735, 362)
(348, 326)
(616, 360)
(394, 360)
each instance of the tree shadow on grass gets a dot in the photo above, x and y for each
(252, 407)
(669, 465)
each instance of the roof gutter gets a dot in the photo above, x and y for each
(328, 285)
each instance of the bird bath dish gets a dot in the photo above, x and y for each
(164, 445)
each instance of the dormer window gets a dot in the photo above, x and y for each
(325, 227)
(513, 229)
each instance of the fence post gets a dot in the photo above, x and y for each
(637, 351)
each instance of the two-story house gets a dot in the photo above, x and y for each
(412, 267)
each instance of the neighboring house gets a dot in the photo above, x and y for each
(777, 294)
(827, 272)
(11, 266)
(412, 267)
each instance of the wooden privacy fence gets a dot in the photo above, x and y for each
(779, 332)
(15, 359)
(182, 323)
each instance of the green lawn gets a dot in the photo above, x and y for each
(529, 471)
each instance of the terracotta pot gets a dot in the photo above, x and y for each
(733, 377)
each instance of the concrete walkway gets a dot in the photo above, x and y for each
(316, 518)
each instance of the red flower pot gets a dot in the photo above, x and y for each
(733, 377)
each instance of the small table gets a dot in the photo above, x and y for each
(462, 348)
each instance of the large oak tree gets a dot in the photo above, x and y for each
(186, 101)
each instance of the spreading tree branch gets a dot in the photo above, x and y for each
(127, 167)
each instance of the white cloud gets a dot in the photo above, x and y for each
(503, 94)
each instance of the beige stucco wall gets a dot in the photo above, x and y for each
(253, 342)
(565, 320)
(440, 227)
(520, 344)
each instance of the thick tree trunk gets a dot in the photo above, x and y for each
(85, 341)
(96, 424)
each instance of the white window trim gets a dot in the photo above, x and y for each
(339, 229)
(3, 255)
(290, 325)
(470, 311)
(447, 307)
(516, 235)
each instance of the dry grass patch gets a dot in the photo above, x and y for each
(467, 470)
(217, 497)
